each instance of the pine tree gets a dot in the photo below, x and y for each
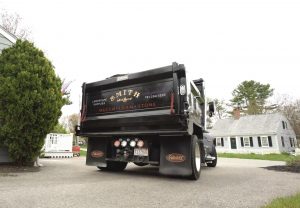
(30, 100)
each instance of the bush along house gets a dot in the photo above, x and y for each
(261, 134)
(6, 40)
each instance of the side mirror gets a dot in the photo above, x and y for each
(211, 108)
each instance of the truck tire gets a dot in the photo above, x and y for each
(195, 158)
(141, 164)
(114, 166)
(213, 154)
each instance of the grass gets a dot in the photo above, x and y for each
(285, 202)
(275, 157)
(82, 153)
(294, 161)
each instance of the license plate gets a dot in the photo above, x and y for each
(140, 152)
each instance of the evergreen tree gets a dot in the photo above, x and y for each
(251, 96)
(30, 100)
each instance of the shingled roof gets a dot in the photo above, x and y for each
(248, 125)
(11, 37)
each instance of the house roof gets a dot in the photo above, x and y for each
(248, 125)
(12, 38)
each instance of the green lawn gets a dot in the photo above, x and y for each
(274, 157)
(285, 202)
(82, 153)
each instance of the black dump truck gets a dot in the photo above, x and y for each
(154, 117)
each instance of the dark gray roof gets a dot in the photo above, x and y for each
(248, 125)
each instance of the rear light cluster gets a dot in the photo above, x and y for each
(124, 142)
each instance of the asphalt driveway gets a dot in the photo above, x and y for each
(69, 183)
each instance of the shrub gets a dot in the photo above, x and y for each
(30, 100)
(294, 161)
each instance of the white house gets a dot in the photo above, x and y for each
(268, 133)
(6, 40)
(58, 145)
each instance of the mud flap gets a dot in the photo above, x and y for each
(175, 156)
(96, 152)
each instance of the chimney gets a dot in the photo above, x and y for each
(236, 113)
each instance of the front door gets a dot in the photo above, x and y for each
(233, 143)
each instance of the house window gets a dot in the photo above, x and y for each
(286, 125)
(292, 142)
(282, 141)
(246, 141)
(265, 141)
(283, 125)
(220, 142)
(53, 140)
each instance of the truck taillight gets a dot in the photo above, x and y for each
(140, 143)
(132, 143)
(117, 143)
(123, 143)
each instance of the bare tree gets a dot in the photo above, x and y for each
(65, 91)
(72, 122)
(69, 122)
(13, 24)
(291, 109)
(221, 109)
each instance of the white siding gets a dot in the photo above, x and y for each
(4, 43)
(5, 40)
(276, 131)
(4, 157)
(255, 149)
(286, 133)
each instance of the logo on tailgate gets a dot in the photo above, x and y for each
(124, 96)
(97, 153)
(175, 157)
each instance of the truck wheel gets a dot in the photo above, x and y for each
(195, 158)
(213, 154)
(114, 166)
(140, 164)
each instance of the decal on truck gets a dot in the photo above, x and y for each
(143, 97)
(124, 96)
(175, 157)
(97, 154)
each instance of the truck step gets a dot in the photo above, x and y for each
(210, 158)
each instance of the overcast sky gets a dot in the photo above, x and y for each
(224, 42)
